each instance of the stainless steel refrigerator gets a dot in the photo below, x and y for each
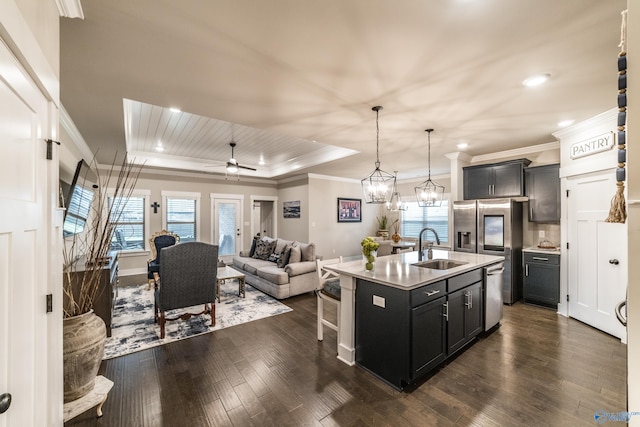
(492, 227)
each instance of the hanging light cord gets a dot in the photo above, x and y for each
(377, 109)
(429, 152)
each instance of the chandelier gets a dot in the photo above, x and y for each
(379, 185)
(395, 203)
(429, 194)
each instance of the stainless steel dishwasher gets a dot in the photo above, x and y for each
(493, 295)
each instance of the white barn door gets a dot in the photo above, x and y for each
(597, 253)
(25, 215)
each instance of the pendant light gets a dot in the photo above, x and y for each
(429, 194)
(379, 185)
(395, 204)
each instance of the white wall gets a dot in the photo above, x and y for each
(633, 221)
(294, 228)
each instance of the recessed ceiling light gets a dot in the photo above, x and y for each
(174, 110)
(536, 80)
(565, 123)
(462, 145)
(159, 147)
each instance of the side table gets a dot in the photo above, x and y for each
(228, 273)
(97, 396)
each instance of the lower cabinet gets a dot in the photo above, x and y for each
(402, 335)
(428, 336)
(541, 284)
(464, 314)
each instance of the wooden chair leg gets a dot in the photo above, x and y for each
(162, 322)
(320, 314)
(213, 314)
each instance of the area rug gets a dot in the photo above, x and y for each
(133, 328)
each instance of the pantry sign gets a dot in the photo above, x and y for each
(591, 146)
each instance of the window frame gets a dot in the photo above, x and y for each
(185, 195)
(446, 197)
(146, 227)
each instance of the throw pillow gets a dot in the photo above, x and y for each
(295, 255)
(264, 248)
(308, 251)
(253, 246)
(284, 256)
(274, 258)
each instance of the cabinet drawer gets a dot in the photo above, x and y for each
(465, 279)
(540, 258)
(427, 293)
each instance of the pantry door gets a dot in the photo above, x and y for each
(30, 339)
(597, 267)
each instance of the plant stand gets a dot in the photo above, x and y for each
(97, 396)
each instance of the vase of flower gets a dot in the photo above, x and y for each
(84, 255)
(369, 248)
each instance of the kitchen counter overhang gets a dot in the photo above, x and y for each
(397, 271)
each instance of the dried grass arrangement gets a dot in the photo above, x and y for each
(85, 254)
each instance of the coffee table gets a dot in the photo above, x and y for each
(228, 273)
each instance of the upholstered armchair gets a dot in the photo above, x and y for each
(187, 278)
(157, 241)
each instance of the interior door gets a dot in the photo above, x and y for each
(227, 228)
(597, 261)
(27, 333)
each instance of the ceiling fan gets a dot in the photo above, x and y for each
(232, 163)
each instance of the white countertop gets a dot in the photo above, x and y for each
(541, 250)
(398, 270)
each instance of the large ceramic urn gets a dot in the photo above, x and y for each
(83, 349)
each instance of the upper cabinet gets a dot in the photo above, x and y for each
(543, 189)
(505, 179)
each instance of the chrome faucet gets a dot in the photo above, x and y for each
(430, 251)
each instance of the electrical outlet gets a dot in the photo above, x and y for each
(541, 233)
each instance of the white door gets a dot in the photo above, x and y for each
(227, 227)
(27, 333)
(597, 264)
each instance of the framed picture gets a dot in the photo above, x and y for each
(349, 210)
(291, 209)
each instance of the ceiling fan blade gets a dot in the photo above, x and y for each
(246, 167)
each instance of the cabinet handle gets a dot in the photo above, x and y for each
(431, 293)
(526, 269)
(467, 300)
(446, 311)
(540, 258)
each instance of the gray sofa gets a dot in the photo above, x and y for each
(278, 267)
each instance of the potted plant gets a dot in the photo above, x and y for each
(84, 255)
(382, 226)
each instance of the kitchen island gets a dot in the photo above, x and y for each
(401, 320)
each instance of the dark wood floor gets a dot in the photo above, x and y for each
(537, 369)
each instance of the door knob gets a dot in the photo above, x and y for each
(614, 261)
(5, 402)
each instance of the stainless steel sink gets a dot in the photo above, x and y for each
(440, 264)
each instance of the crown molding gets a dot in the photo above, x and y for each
(518, 152)
(76, 137)
(333, 178)
(458, 155)
(70, 9)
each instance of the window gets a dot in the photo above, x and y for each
(416, 218)
(129, 219)
(181, 218)
(78, 211)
